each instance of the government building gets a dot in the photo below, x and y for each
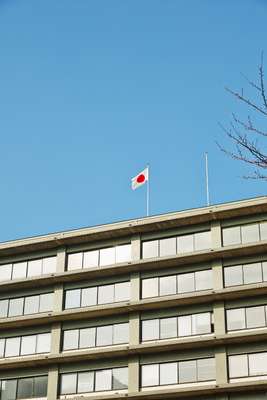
(171, 306)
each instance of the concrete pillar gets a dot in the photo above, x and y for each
(61, 259)
(221, 365)
(216, 234)
(134, 329)
(52, 383)
(136, 247)
(219, 318)
(133, 374)
(217, 273)
(55, 338)
(58, 297)
(135, 286)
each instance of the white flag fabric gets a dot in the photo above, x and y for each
(140, 179)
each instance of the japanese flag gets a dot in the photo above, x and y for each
(140, 179)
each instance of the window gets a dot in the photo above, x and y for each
(246, 318)
(238, 366)
(25, 345)
(247, 233)
(121, 333)
(71, 339)
(173, 284)
(176, 245)
(244, 365)
(87, 338)
(24, 388)
(26, 305)
(172, 327)
(178, 372)
(24, 269)
(94, 381)
(104, 335)
(101, 257)
(245, 274)
(91, 296)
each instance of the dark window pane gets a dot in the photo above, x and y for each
(40, 386)
(120, 378)
(15, 307)
(25, 388)
(9, 389)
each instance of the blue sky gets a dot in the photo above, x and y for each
(92, 90)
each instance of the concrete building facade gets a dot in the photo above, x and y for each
(165, 307)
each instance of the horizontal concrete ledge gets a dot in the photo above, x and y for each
(142, 225)
(160, 346)
(162, 263)
(207, 296)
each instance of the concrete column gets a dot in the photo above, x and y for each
(135, 286)
(219, 318)
(58, 297)
(217, 272)
(133, 375)
(52, 383)
(134, 329)
(136, 247)
(55, 338)
(216, 234)
(221, 365)
(61, 259)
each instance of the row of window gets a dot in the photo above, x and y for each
(173, 284)
(245, 274)
(247, 233)
(101, 257)
(23, 388)
(244, 365)
(186, 325)
(106, 335)
(25, 345)
(92, 296)
(26, 269)
(94, 381)
(176, 245)
(171, 373)
(246, 318)
(26, 305)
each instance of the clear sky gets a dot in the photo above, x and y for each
(92, 90)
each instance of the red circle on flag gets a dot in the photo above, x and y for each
(141, 178)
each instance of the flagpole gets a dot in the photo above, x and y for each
(148, 192)
(207, 179)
